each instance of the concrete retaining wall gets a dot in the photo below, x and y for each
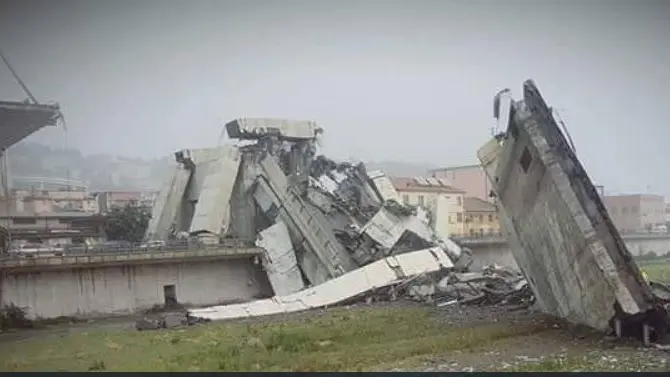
(498, 252)
(126, 289)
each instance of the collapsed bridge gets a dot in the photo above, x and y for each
(332, 231)
(316, 219)
(558, 228)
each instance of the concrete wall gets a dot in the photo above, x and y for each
(498, 252)
(126, 289)
(638, 247)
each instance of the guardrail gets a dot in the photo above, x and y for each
(499, 238)
(42, 263)
(128, 249)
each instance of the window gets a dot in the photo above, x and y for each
(459, 201)
(481, 231)
(490, 218)
(422, 201)
(405, 199)
(459, 217)
(24, 221)
(480, 218)
(472, 232)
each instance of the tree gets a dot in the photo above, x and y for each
(127, 223)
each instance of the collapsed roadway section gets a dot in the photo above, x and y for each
(558, 228)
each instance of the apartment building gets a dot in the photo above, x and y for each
(469, 178)
(109, 199)
(51, 229)
(635, 213)
(43, 201)
(481, 218)
(443, 202)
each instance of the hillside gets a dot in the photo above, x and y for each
(104, 171)
(99, 171)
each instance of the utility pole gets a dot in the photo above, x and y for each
(4, 181)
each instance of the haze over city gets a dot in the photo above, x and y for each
(387, 80)
(181, 210)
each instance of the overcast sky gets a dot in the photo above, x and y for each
(388, 80)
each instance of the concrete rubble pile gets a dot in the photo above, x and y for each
(558, 229)
(316, 219)
(495, 285)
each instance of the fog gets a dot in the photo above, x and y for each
(388, 80)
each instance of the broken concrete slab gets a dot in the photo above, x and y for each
(253, 128)
(379, 274)
(171, 320)
(20, 119)
(279, 260)
(338, 216)
(556, 224)
(495, 285)
(147, 324)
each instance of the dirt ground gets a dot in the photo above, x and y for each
(560, 347)
(550, 346)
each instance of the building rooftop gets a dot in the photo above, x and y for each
(454, 168)
(472, 204)
(635, 196)
(424, 185)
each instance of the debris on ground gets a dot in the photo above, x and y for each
(415, 281)
(168, 321)
(370, 282)
(495, 285)
(148, 324)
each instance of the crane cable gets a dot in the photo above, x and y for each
(18, 78)
(559, 119)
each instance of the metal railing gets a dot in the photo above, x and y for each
(130, 248)
(480, 238)
(499, 237)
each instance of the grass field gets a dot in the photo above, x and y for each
(369, 339)
(406, 338)
(339, 341)
(657, 269)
